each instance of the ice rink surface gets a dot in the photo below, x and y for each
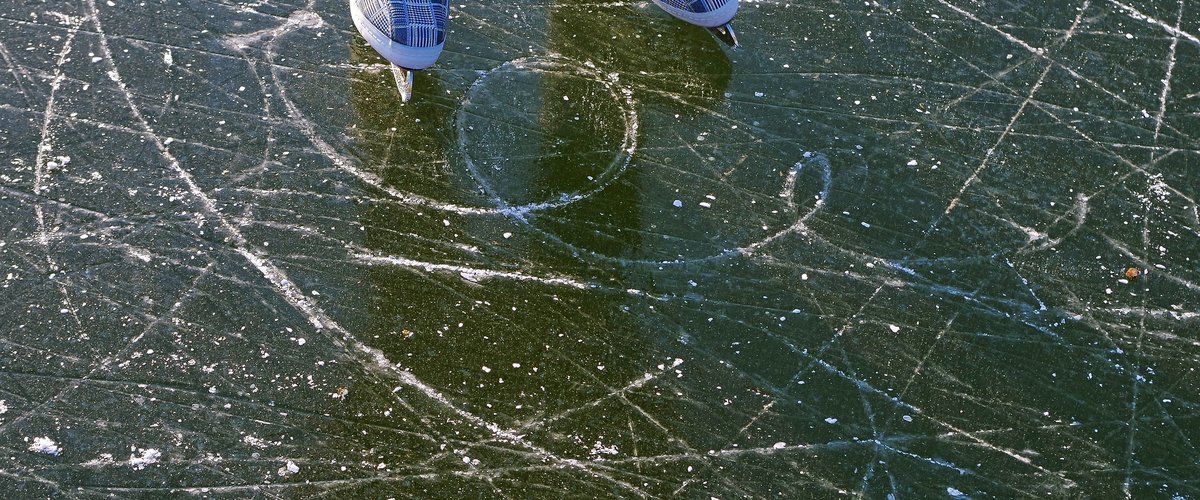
(911, 249)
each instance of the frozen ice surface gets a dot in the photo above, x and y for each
(222, 236)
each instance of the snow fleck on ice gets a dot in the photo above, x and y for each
(954, 492)
(288, 469)
(105, 459)
(255, 441)
(779, 445)
(831, 420)
(894, 328)
(599, 448)
(144, 457)
(45, 446)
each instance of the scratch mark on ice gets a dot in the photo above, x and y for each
(987, 157)
(1166, 81)
(1137, 14)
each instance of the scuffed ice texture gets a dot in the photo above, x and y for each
(880, 249)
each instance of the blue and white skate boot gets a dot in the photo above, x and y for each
(712, 14)
(410, 34)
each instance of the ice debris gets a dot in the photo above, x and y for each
(45, 446)
(143, 457)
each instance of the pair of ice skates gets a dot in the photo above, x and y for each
(410, 34)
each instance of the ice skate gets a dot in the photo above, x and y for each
(714, 15)
(410, 34)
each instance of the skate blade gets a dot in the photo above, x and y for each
(404, 82)
(725, 34)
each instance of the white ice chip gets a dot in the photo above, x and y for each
(45, 446)
(144, 457)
